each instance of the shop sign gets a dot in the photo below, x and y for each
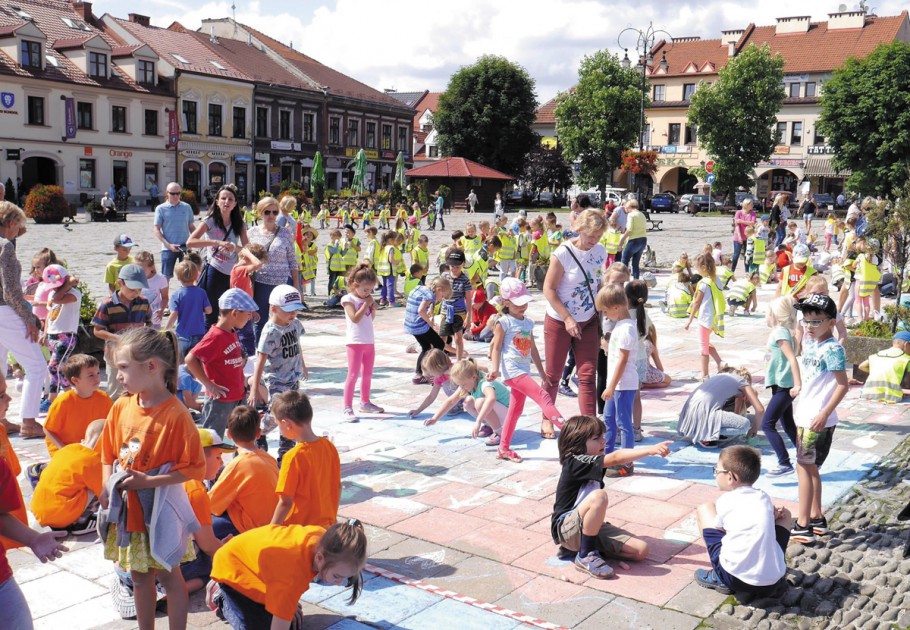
(668, 149)
(674, 162)
(117, 153)
(261, 157)
(370, 153)
(782, 149)
(14, 154)
(219, 155)
(784, 162)
(285, 146)
(192, 153)
(87, 151)
(821, 149)
(243, 158)
(388, 155)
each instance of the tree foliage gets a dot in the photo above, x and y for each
(599, 119)
(546, 169)
(737, 115)
(486, 114)
(865, 117)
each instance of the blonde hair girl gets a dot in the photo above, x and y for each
(709, 306)
(783, 377)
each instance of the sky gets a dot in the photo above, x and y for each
(415, 46)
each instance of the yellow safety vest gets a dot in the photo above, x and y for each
(507, 251)
(477, 270)
(491, 286)
(345, 217)
(411, 241)
(310, 262)
(678, 300)
(384, 268)
(785, 274)
(543, 249)
(410, 283)
(886, 371)
(741, 290)
(759, 250)
(610, 241)
(335, 261)
(524, 246)
(350, 254)
(398, 262)
(838, 274)
(420, 257)
(724, 275)
(867, 275)
(720, 306)
(554, 238)
(339, 284)
(384, 215)
(307, 216)
(470, 245)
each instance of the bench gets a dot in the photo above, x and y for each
(655, 224)
(99, 216)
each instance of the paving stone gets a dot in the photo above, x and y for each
(555, 601)
(483, 579)
(695, 600)
(627, 613)
(468, 618)
(383, 603)
(58, 591)
(418, 559)
(499, 542)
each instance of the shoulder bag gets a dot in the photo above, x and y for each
(588, 282)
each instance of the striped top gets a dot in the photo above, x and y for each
(116, 317)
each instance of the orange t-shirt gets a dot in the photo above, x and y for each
(7, 453)
(272, 565)
(311, 473)
(199, 501)
(142, 439)
(246, 489)
(70, 415)
(61, 495)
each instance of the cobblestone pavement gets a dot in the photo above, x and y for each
(459, 539)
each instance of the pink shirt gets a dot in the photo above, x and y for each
(362, 331)
(739, 233)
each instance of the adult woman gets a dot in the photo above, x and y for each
(780, 213)
(220, 233)
(718, 406)
(744, 218)
(635, 237)
(18, 326)
(281, 265)
(572, 281)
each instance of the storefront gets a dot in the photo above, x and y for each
(779, 174)
(824, 177)
(205, 171)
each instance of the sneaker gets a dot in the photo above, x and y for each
(420, 380)
(819, 526)
(623, 470)
(348, 415)
(707, 578)
(639, 436)
(213, 595)
(575, 379)
(780, 471)
(85, 525)
(268, 423)
(33, 472)
(800, 534)
(663, 306)
(369, 407)
(493, 440)
(565, 554)
(44, 406)
(122, 598)
(485, 431)
(593, 564)
(565, 390)
(457, 410)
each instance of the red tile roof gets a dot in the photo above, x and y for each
(430, 101)
(457, 167)
(546, 113)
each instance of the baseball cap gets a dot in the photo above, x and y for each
(133, 277)
(238, 300)
(479, 295)
(515, 291)
(455, 257)
(902, 335)
(818, 302)
(209, 437)
(124, 241)
(350, 227)
(55, 275)
(287, 298)
(766, 217)
(800, 253)
(412, 221)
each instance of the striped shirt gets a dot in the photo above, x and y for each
(116, 317)
(413, 323)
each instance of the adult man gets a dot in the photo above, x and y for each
(107, 205)
(153, 194)
(173, 225)
(807, 209)
(472, 202)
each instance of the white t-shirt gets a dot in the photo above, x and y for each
(64, 318)
(750, 551)
(817, 364)
(624, 337)
(362, 331)
(157, 284)
(706, 310)
(573, 288)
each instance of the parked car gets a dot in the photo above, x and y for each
(517, 198)
(545, 199)
(664, 202)
(742, 196)
(697, 203)
(823, 200)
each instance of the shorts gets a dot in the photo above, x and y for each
(705, 338)
(610, 538)
(812, 447)
(714, 541)
(447, 329)
(735, 302)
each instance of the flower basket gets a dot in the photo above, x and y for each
(46, 204)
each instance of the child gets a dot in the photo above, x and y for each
(578, 523)
(611, 239)
(386, 269)
(505, 257)
(415, 277)
(250, 259)
(145, 430)
(371, 247)
(486, 401)
(123, 244)
(351, 246)
(717, 253)
(359, 309)
(481, 312)
(418, 320)
(867, 277)
(435, 367)
(512, 350)
(309, 483)
(782, 376)
(725, 272)
(188, 390)
(66, 495)
(157, 291)
(73, 411)
(822, 367)
(678, 298)
(886, 371)
(830, 229)
(334, 258)
(759, 247)
(523, 256)
(793, 277)
(655, 377)
(60, 327)
(458, 304)
(708, 305)
(420, 255)
(259, 577)
(742, 293)
(189, 305)
(217, 361)
(244, 496)
(279, 360)
(745, 534)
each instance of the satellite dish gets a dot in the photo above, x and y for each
(841, 8)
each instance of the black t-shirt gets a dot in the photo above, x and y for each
(577, 471)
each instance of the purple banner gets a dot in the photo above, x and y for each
(69, 109)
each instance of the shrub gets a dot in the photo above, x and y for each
(189, 197)
(87, 307)
(872, 328)
(46, 204)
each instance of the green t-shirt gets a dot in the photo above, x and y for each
(502, 392)
(112, 271)
(779, 372)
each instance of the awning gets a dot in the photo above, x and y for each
(822, 167)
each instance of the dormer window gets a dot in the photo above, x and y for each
(217, 65)
(97, 65)
(179, 58)
(22, 14)
(31, 54)
(78, 25)
(145, 72)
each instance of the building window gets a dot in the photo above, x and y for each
(688, 91)
(673, 135)
(84, 116)
(781, 132)
(262, 121)
(819, 138)
(308, 128)
(97, 65)
(660, 92)
(403, 139)
(145, 72)
(35, 110)
(645, 136)
(31, 55)
(796, 135)
(810, 89)
(239, 126)
(334, 130)
(118, 119)
(371, 135)
(387, 137)
(284, 124)
(353, 133)
(691, 135)
(86, 174)
(151, 122)
(189, 117)
(215, 120)
(794, 90)
(432, 151)
(151, 174)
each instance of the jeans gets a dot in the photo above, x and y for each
(242, 612)
(188, 343)
(780, 233)
(427, 340)
(618, 412)
(737, 251)
(170, 259)
(388, 288)
(780, 407)
(261, 293)
(361, 357)
(601, 379)
(556, 349)
(216, 283)
(439, 218)
(631, 253)
(520, 388)
(215, 414)
(14, 611)
(13, 338)
(224, 526)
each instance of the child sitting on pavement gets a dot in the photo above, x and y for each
(745, 534)
(886, 371)
(74, 410)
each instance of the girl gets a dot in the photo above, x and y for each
(473, 386)
(387, 267)
(436, 366)
(830, 230)
(418, 320)
(655, 377)
(144, 431)
(709, 306)
(611, 239)
(157, 293)
(359, 309)
(867, 277)
(259, 576)
(512, 349)
(637, 296)
(61, 325)
(783, 377)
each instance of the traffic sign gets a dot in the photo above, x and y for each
(709, 166)
(711, 178)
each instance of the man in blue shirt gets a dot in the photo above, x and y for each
(440, 209)
(173, 226)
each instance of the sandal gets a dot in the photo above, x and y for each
(545, 433)
(493, 440)
(509, 455)
(11, 427)
(27, 433)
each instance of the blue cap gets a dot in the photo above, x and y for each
(766, 217)
(903, 335)
(238, 300)
(133, 277)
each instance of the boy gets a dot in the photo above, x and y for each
(371, 248)
(73, 412)
(309, 484)
(743, 294)
(244, 496)
(157, 293)
(505, 257)
(219, 356)
(458, 305)
(420, 255)
(745, 534)
(123, 244)
(351, 246)
(279, 361)
(886, 371)
(793, 277)
(124, 309)
(823, 365)
(415, 278)
(309, 256)
(188, 390)
(334, 258)
(66, 496)
(188, 305)
(481, 312)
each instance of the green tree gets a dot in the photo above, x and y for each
(486, 114)
(737, 115)
(599, 118)
(11, 190)
(546, 169)
(865, 117)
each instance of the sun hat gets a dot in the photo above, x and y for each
(238, 300)
(800, 253)
(54, 275)
(124, 241)
(515, 291)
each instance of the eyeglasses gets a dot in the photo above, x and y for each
(269, 213)
(173, 192)
(815, 323)
(717, 471)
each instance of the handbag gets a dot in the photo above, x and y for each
(588, 282)
(204, 272)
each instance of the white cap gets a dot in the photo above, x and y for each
(287, 298)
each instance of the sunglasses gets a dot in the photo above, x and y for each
(269, 213)
(173, 192)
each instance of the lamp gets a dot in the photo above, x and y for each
(663, 65)
(625, 60)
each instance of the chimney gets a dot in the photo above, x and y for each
(141, 20)
(726, 37)
(212, 37)
(84, 9)
(731, 49)
(787, 25)
(846, 19)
